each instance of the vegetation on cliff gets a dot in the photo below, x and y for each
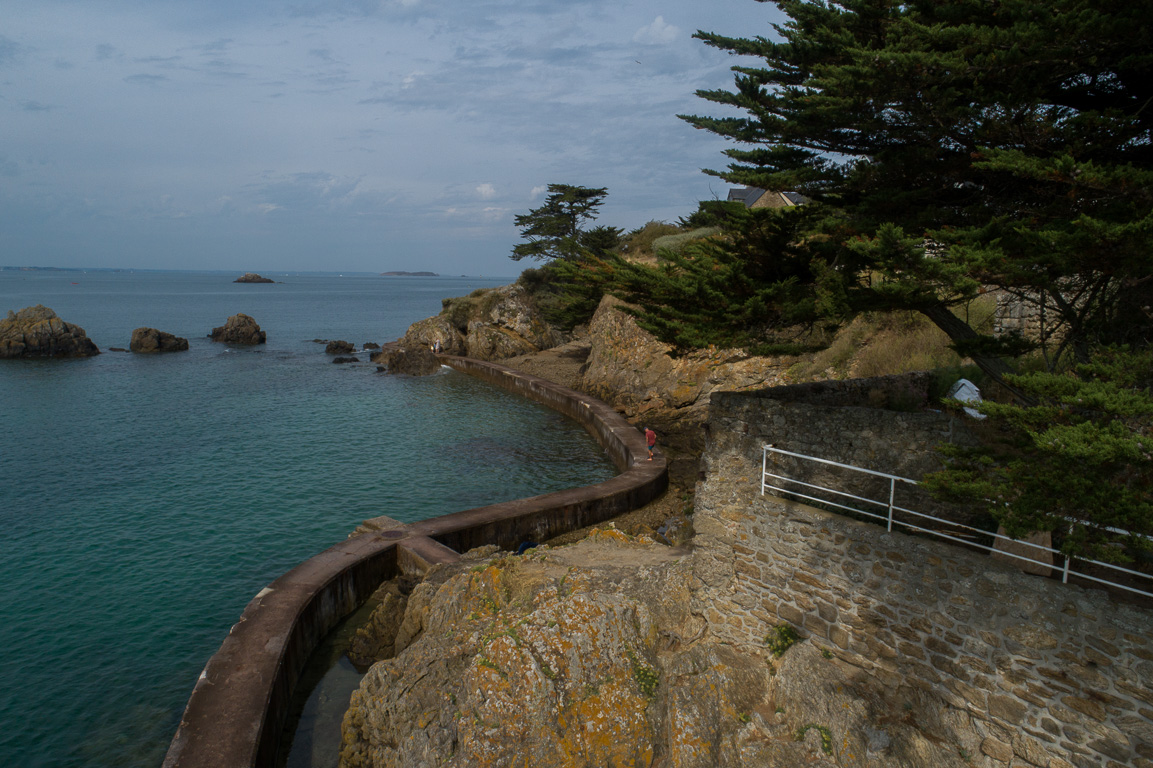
(943, 151)
(950, 148)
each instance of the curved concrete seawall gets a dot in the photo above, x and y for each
(237, 709)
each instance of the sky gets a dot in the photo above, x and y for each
(346, 135)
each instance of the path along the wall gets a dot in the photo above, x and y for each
(238, 707)
(1047, 675)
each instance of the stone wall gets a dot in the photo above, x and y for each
(846, 421)
(1039, 673)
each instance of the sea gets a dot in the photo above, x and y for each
(145, 499)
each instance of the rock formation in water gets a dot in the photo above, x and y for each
(150, 340)
(38, 332)
(252, 277)
(239, 329)
(488, 324)
(407, 359)
(339, 347)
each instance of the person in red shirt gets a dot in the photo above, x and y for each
(651, 441)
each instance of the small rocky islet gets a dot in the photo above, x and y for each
(38, 332)
(152, 341)
(239, 329)
(252, 277)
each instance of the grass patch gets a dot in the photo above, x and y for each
(639, 242)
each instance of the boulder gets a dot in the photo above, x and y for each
(434, 329)
(346, 359)
(338, 348)
(38, 332)
(416, 360)
(252, 277)
(150, 340)
(239, 329)
(488, 324)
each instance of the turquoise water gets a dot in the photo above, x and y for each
(145, 499)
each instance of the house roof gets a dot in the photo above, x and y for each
(746, 195)
(755, 197)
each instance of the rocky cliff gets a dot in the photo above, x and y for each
(618, 651)
(488, 324)
(38, 332)
(592, 655)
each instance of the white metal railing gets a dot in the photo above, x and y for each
(959, 533)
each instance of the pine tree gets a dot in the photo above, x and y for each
(953, 146)
(1077, 462)
(553, 231)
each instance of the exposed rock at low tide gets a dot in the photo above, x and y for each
(409, 360)
(252, 277)
(150, 340)
(38, 332)
(239, 329)
(346, 359)
(338, 347)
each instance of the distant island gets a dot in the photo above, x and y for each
(252, 277)
(410, 274)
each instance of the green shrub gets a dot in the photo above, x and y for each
(676, 243)
(639, 242)
(783, 637)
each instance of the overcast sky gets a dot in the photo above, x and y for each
(355, 135)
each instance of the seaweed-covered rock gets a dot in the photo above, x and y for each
(150, 340)
(38, 332)
(339, 347)
(410, 360)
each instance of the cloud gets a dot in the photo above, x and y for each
(404, 104)
(314, 192)
(657, 33)
(145, 79)
(8, 50)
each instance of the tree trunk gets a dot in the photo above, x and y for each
(958, 330)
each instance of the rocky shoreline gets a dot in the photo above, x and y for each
(653, 641)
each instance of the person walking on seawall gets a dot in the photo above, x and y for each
(651, 441)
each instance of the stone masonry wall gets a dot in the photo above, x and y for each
(1041, 674)
(827, 420)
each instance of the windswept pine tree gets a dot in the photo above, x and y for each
(553, 231)
(948, 147)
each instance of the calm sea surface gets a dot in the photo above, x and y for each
(145, 499)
